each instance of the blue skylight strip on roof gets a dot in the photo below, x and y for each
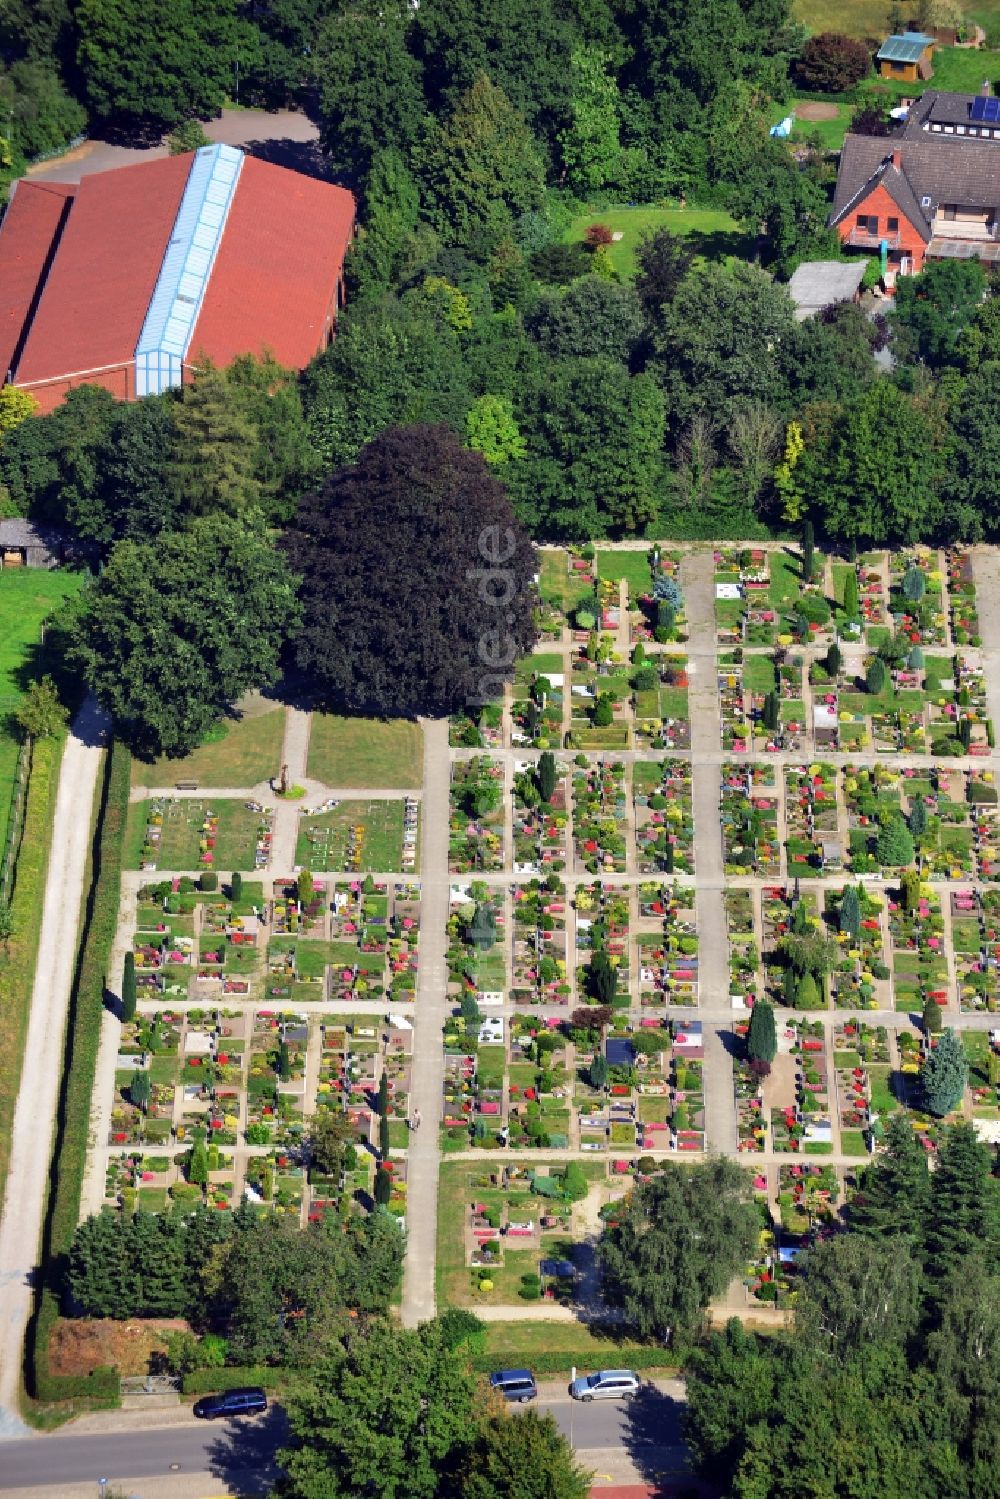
(190, 255)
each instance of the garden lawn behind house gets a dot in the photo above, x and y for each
(366, 752)
(27, 597)
(869, 18)
(238, 752)
(713, 232)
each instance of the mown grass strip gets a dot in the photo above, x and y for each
(19, 956)
(83, 1035)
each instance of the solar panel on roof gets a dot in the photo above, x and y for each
(986, 109)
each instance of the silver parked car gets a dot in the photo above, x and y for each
(606, 1384)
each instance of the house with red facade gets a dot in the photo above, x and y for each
(131, 277)
(930, 190)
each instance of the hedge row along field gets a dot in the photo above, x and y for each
(73, 1116)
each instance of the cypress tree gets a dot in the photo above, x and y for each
(808, 543)
(762, 1038)
(128, 988)
(875, 677)
(283, 1066)
(383, 1094)
(834, 660)
(197, 1164)
(383, 1187)
(772, 715)
(852, 605)
(140, 1090)
(850, 913)
(933, 1024)
(236, 887)
(383, 1136)
(546, 775)
(917, 819)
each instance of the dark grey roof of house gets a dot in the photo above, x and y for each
(17, 532)
(943, 168)
(948, 109)
(820, 283)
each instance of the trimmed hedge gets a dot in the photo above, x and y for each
(208, 1381)
(83, 1034)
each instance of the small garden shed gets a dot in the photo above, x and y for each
(23, 544)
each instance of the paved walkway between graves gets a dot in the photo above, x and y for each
(424, 1153)
(35, 1111)
(294, 758)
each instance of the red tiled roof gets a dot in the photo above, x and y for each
(104, 270)
(277, 267)
(30, 228)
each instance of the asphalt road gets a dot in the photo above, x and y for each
(240, 1454)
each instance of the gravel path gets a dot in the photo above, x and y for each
(34, 1115)
(423, 1156)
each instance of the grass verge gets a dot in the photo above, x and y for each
(17, 960)
(365, 753)
(69, 1156)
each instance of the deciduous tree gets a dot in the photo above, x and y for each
(173, 632)
(678, 1240)
(436, 618)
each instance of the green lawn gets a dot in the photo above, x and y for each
(830, 132)
(558, 585)
(366, 752)
(869, 18)
(632, 566)
(27, 597)
(324, 841)
(714, 233)
(239, 752)
(181, 832)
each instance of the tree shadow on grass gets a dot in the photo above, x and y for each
(720, 244)
(243, 1455)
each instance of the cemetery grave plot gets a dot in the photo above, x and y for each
(355, 1054)
(963, 614)
(919, 961)
(661, 710)
(135, 1181)
(358, 837)
(506, 1230)
(750, 820)
(803, 613)
(812, 825)
(667, 938)
(599, 804)
(477, 727)
(802, 1125)
(567, 582)
(751, 1119)
(861, 979)
(737, 733)
(196, 833)
(857, 1045)
(622, 1095)
(975, 937)
(652, 1045)
(146, 1074)
(477, 970)
(957, 811)
(744, 953)
(600, 698)
(540, 1114)
(539, 968)
(687, 1095)
(276, 1078)
(476, 841)
(298, 910)
(374, 941)
(602, 941)
(792, 912)
(809, 1195)
(777, 707)
(982, 1050)
(658, 616)
(539, 827)
(744, 614)
(539, 693)
(664, 816)
(916, 596)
